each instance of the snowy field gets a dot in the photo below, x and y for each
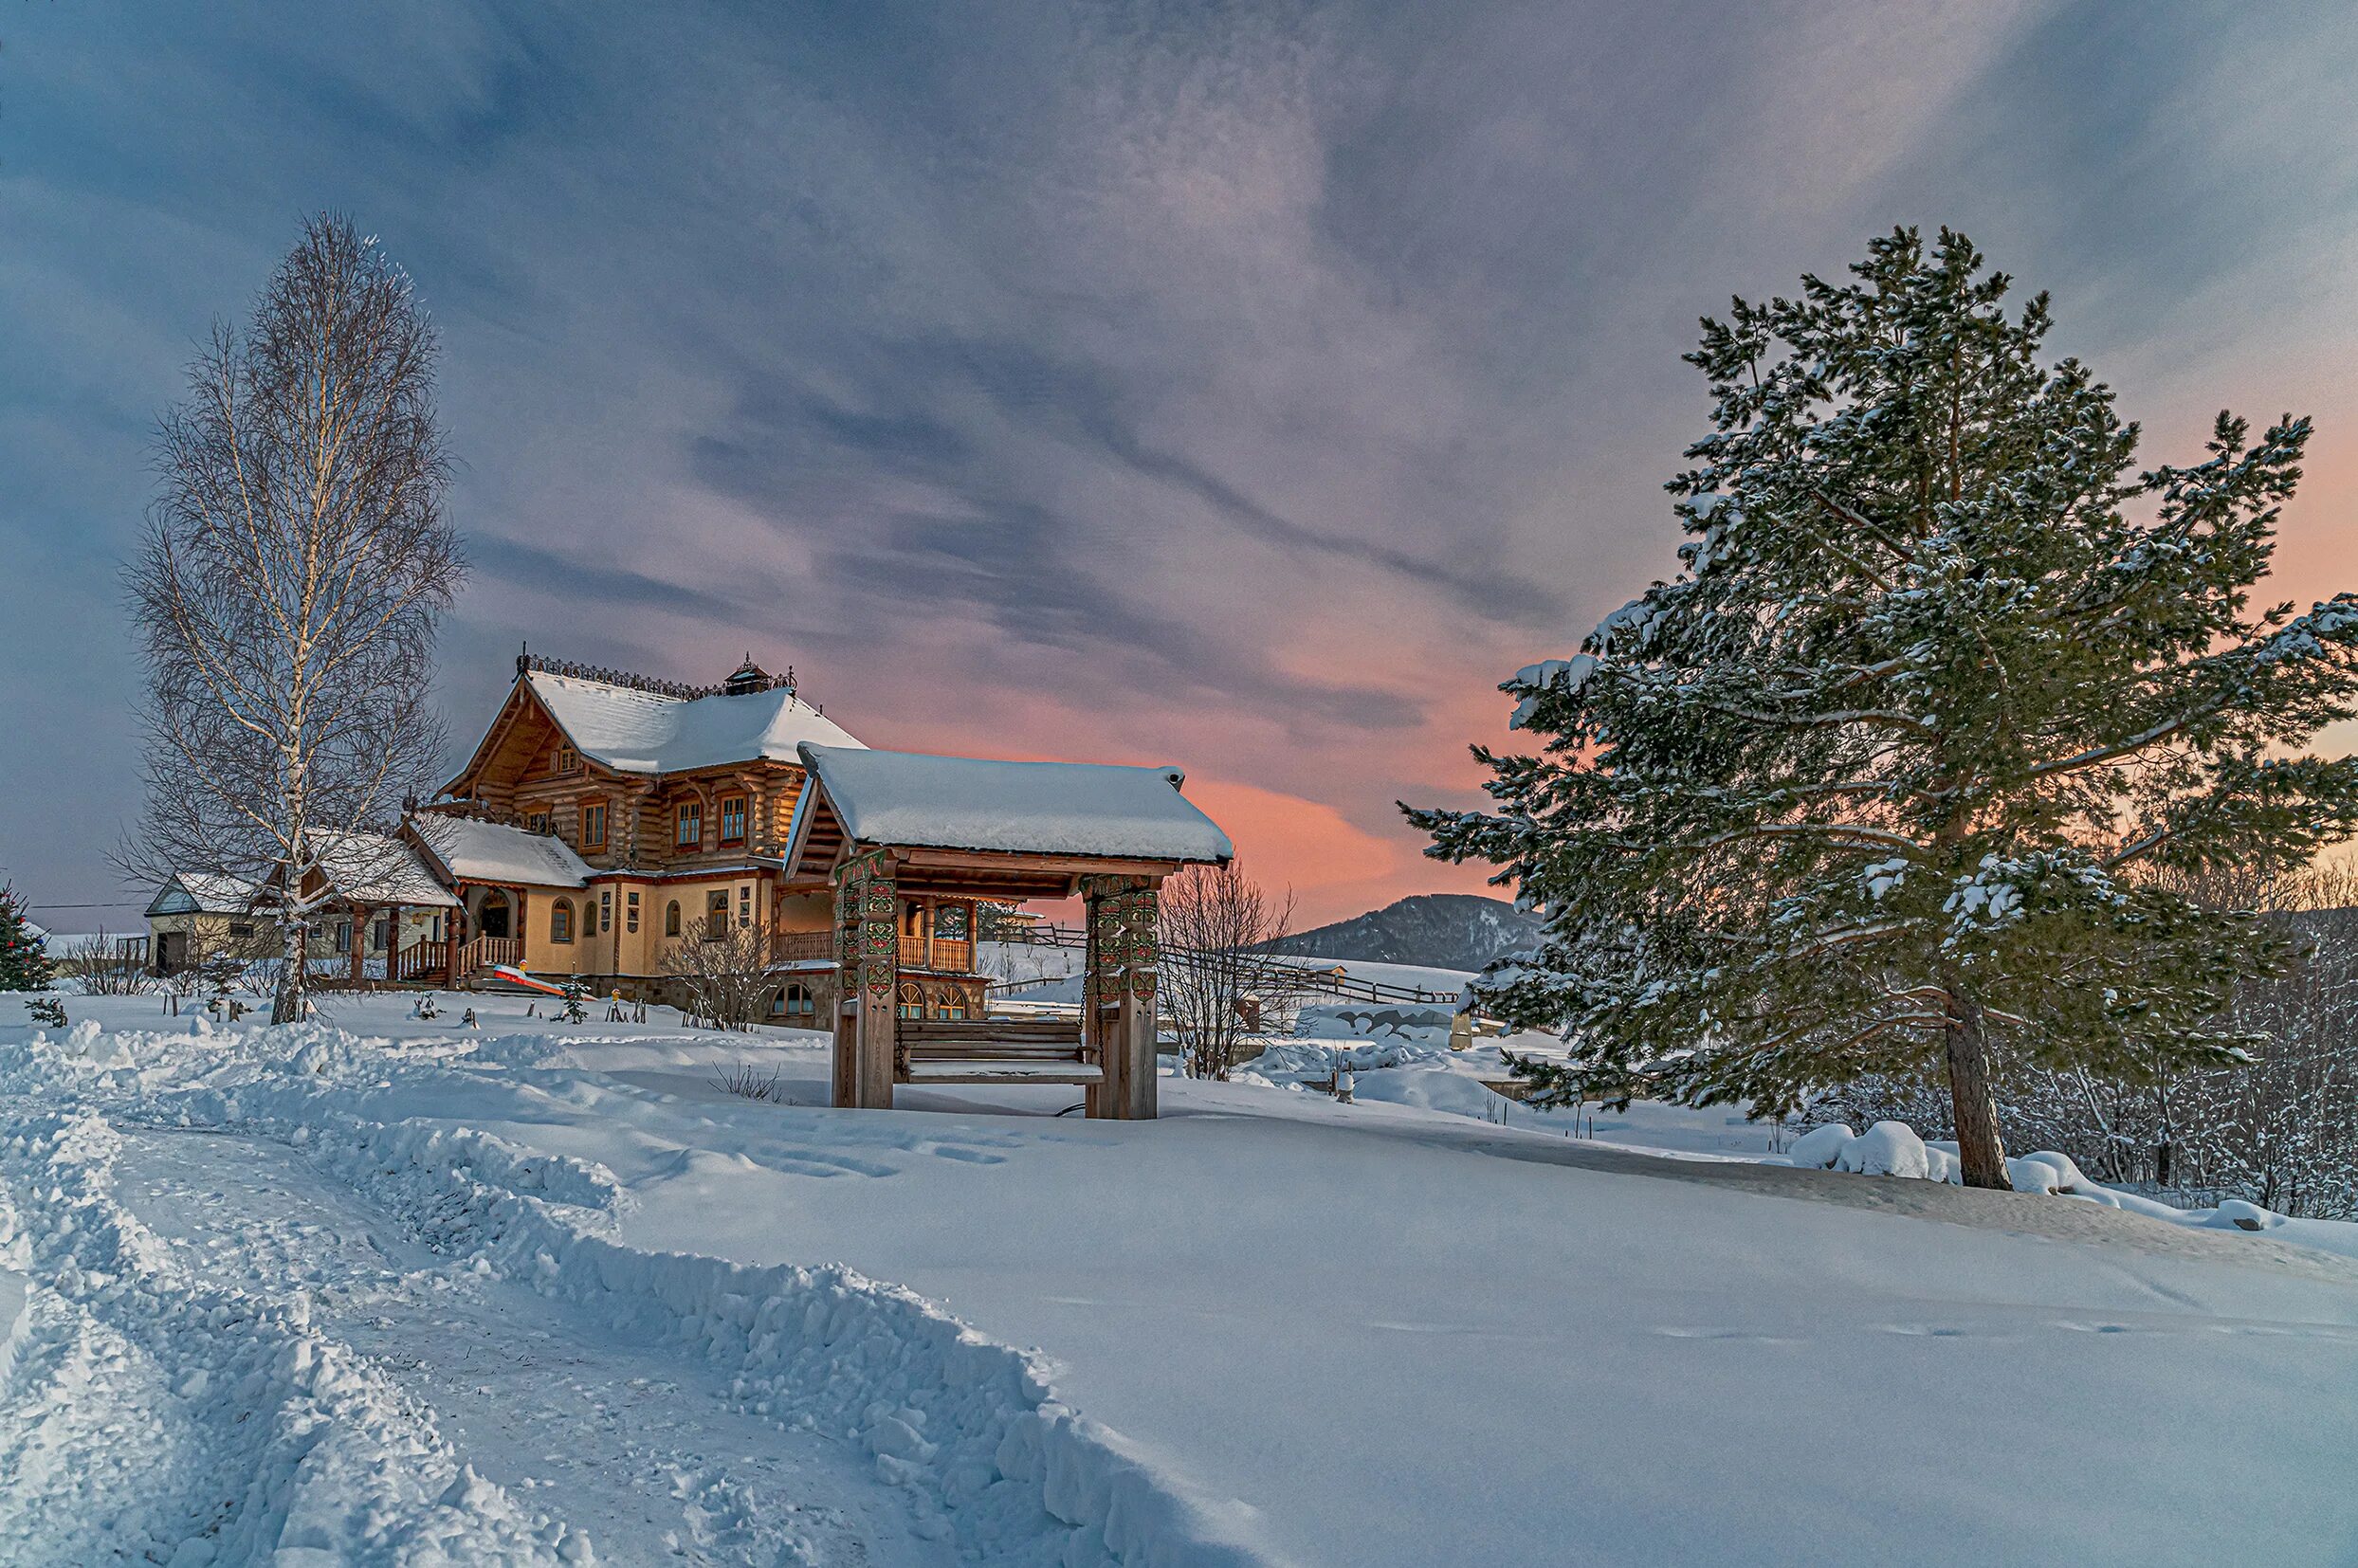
(377, 1290)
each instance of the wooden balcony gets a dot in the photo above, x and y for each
(801, 946)
(937, 956)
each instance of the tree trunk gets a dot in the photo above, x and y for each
(286, 1003)
(1975, 1109)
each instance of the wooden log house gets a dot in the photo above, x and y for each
(606, 817)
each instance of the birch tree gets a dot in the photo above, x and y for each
(294, 568)
(1877, 782)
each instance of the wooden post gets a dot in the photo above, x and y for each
(881, 989)
(1092, 1023)
(1134, 1025)
(359, 940)
(867, 954)
(850, 897)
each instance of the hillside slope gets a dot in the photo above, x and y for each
(1439, 930)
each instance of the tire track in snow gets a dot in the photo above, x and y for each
(643, 1451)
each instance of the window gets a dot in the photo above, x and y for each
(744, 904)
(913, 918)
(541, 823)
(949, 1002)
(343, 936)
(380, 934)
(631, 913)
(912, 1002)
(717, 913)
(594, 825)
(796, 1001)
(733, 819)
(241, 930)
(606, 909)
(433, 928)
(566, 763)
(688, 825)
(671, 919)
(560, 920)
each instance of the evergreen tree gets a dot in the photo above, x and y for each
(1879, 781)
(24, 963)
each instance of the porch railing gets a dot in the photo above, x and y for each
(426, 955)
(485, 951)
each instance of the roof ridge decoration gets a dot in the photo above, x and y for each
(741, 685)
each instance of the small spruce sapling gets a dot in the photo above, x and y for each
(1888, 778)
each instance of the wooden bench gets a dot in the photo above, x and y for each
(994, 1050)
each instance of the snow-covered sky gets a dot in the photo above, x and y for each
(1245, 386)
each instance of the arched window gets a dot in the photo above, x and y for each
(794, 1002)
(912, 1002)
(671, 919)
(949, 1002)
(560, 920)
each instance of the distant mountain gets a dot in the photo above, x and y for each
(1439, 930)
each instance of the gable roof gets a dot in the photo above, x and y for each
(203, 893)
(643, 732)
(378, 868)
(908, 798)
(473, 851)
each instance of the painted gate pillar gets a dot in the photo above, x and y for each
(1118, 993)
(867, 958)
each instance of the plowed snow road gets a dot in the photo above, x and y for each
(638, 1448)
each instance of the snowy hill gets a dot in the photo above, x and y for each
(545, 1294)
(1436, 930)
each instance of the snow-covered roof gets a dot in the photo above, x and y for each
(1024, 807)
(203, 893)
(377, 869)
(645, 732)
(492, 851)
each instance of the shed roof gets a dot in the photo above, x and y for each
(473, 851)
(1024, 807)
(645, 732)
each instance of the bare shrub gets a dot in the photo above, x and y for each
(722, 978)
(105, 965)
(1218, 983)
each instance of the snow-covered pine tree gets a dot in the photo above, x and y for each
(24, 963)
(1874, 785)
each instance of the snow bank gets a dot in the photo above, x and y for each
(991, 1458)
(1892, 1148)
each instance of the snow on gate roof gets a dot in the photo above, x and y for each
(646, 732)
(473, 851)
(1021, 808)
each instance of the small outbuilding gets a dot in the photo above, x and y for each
(912, 844)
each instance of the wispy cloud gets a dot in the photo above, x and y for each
(1244, 387)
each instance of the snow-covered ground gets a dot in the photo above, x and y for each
(384, 1289)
